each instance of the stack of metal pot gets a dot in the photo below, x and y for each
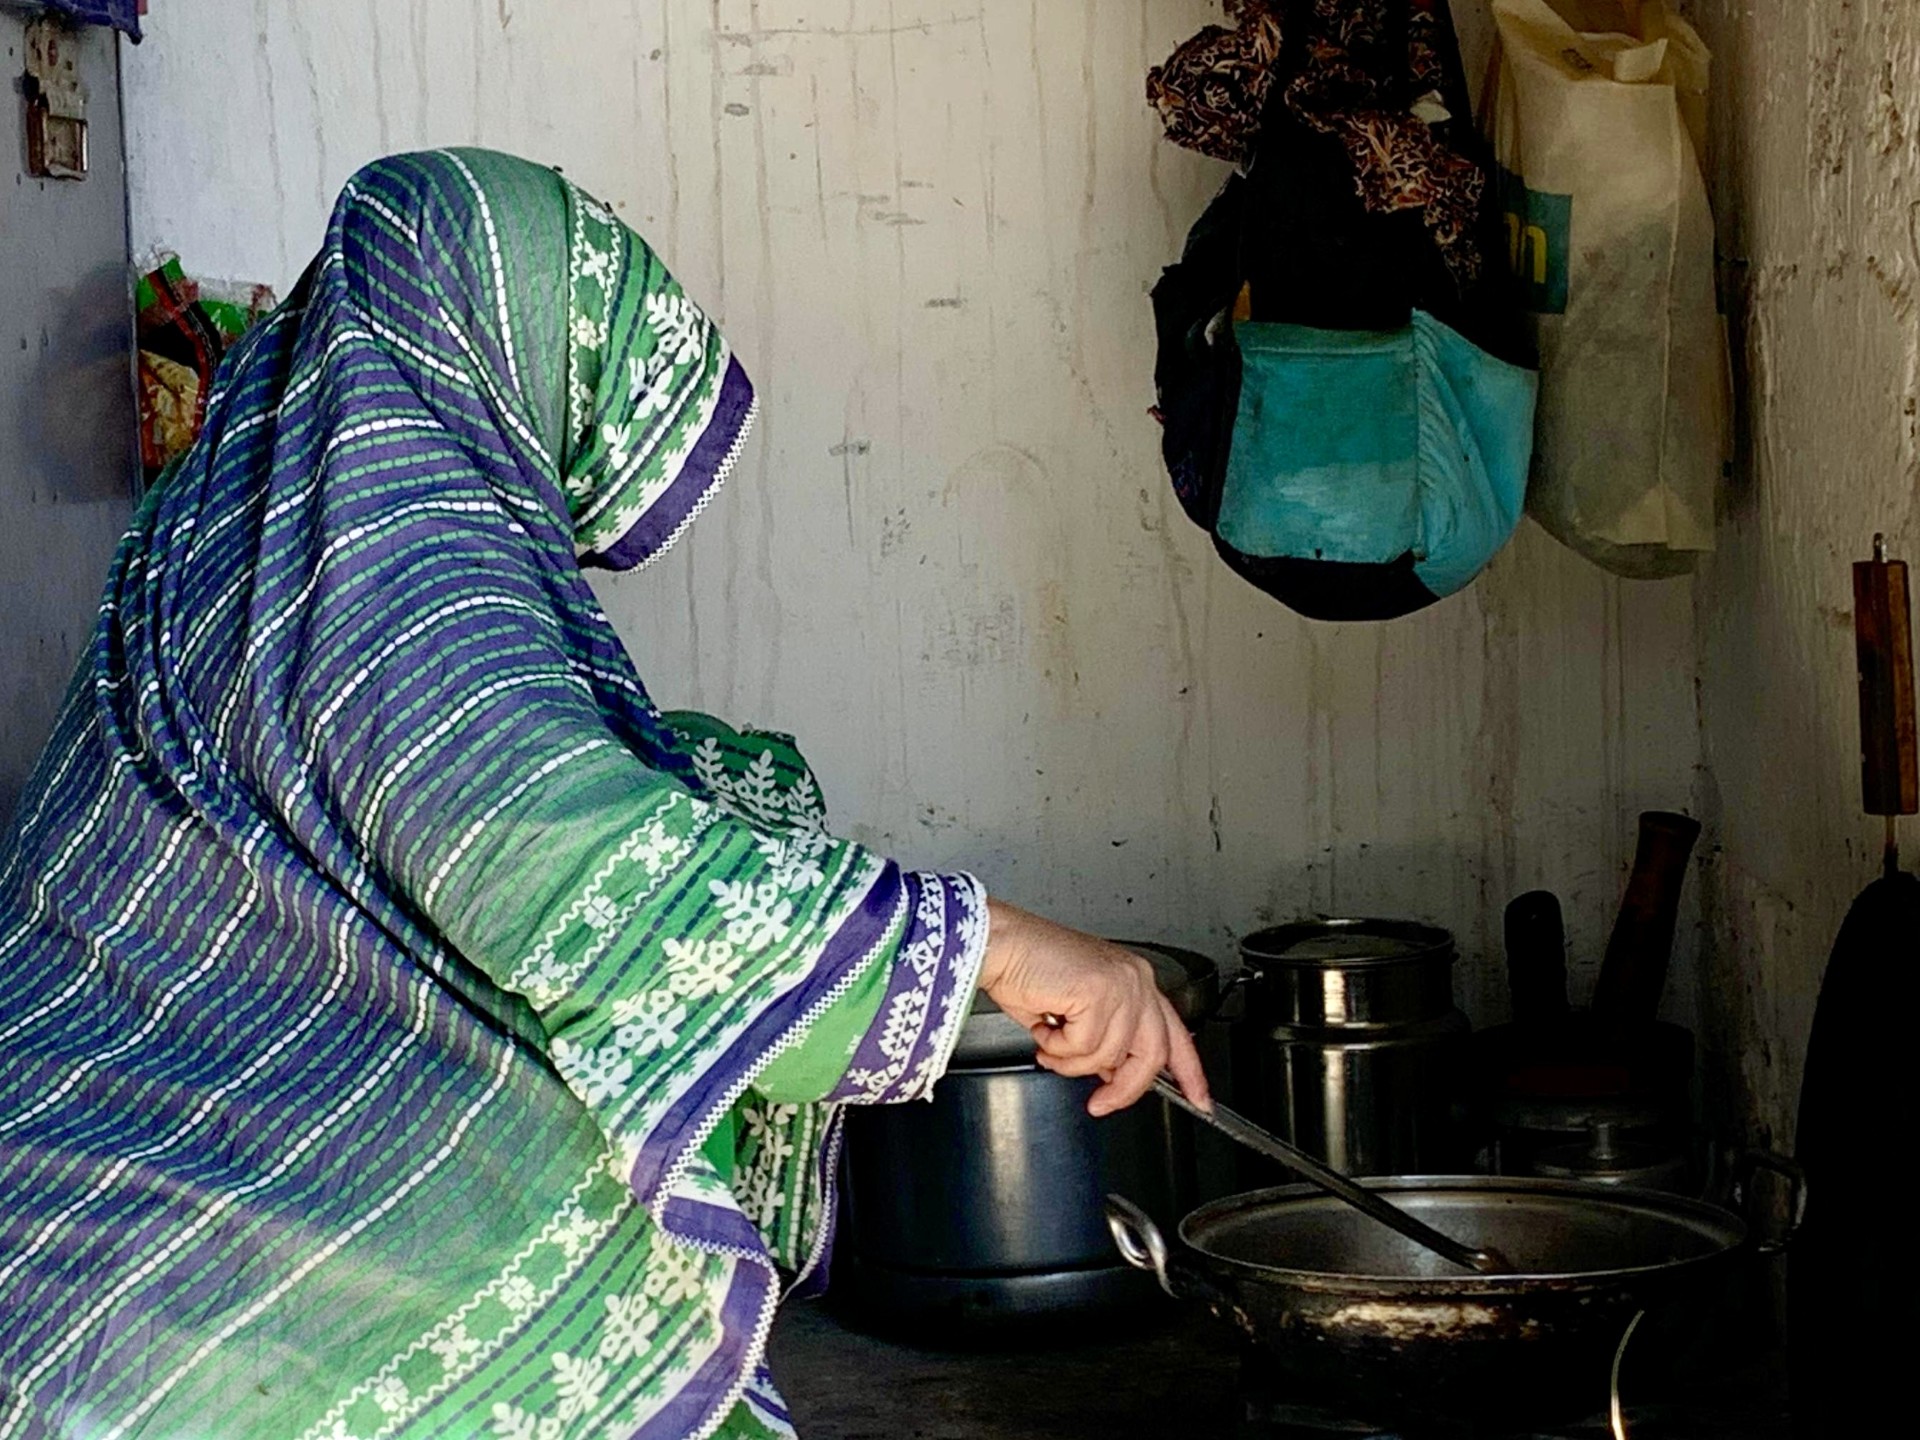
(1603, 1094)
(1348, 1044)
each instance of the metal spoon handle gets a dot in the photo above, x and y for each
(1237, 1127)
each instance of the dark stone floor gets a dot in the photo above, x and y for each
(1171, 1381)
(1174, 1381)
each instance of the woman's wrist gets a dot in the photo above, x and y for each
(1005, 926)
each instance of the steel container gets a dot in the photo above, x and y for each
(1349, 1043)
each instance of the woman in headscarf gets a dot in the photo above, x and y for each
(409, 1030)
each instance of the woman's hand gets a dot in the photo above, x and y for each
(1118, 1024)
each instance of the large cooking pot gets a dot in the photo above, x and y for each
(1349, 1316)
(985, 1205)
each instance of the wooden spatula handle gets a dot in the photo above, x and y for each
(1883, 636)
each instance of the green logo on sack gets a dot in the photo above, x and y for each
(1539, 227)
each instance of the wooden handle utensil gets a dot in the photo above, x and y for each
(1883, 642)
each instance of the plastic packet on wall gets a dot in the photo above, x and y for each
(184, 328)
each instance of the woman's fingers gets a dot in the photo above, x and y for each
(1183, 1061)
(1071, 1052)
(1142, 1038)
(1149, 1049)
(1092, 1008)
(1145, 1058)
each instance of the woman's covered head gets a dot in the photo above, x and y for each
(532, 318)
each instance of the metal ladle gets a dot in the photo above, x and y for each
(1238, 1128)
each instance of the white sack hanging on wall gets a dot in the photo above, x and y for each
(1597, 111)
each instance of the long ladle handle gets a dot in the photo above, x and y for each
(1239, 1128)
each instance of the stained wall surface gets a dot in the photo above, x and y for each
(1817, 138)
(950, 562)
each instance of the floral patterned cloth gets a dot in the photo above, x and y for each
(382, 969)
(1378, 89)
(1372, 75)
(1211, 90)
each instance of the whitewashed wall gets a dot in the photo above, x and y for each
(1818, 138)
(951, 563)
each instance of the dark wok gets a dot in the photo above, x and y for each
(1347, 1315)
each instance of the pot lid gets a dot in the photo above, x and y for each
(992, 1037)
(1578, 1115)
(1605, 1153)
(1340, 943)
(1653, 1173)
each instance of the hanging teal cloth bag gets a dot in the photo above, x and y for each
(1343, 372)
(1370, 448)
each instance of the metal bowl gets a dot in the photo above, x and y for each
(1553, 1231)
(1347, 1315)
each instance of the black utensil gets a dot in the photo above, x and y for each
(1634, 972)
(1537, 958)
(1849, 1316)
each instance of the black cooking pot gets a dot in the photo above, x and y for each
(984, 1207)
(1350, 1317)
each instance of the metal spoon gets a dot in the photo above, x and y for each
(1238, 1128)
